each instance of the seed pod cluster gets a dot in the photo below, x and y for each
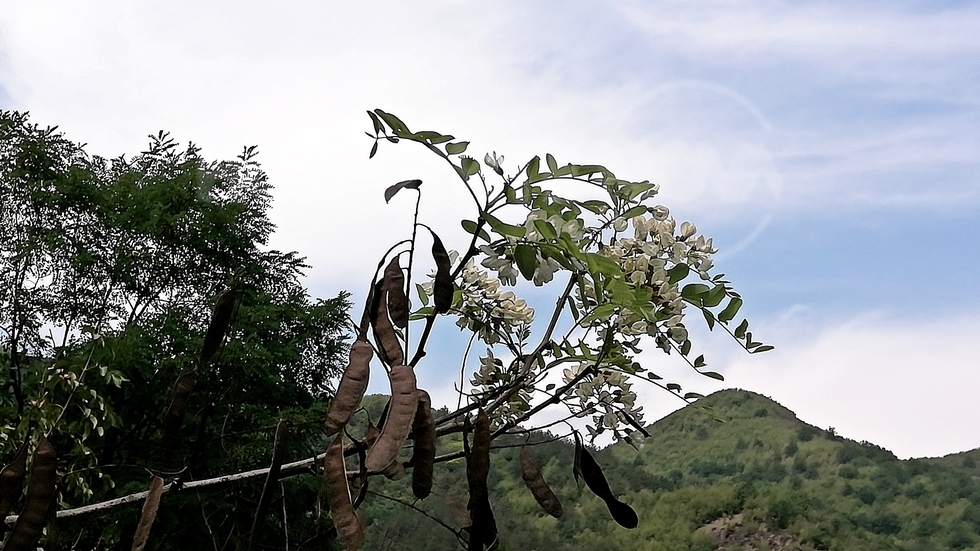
(398, 424)
(483, 530)
(12, 483)
(346, 521)
(352, 386)
(534, 480)
(596, 481)
(424, 446)
(40, 499)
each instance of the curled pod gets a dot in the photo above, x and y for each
(224, 309)
(397, 300)
(596, 481)
(12, 482)
(38, 509)
(442, 287)
(404, 402)
(352, 386)
(483, 528)
(424, 449)
(338, 496)
(534, 480)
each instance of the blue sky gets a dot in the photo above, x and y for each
(830, 148)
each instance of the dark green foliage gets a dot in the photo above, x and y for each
(125, 259)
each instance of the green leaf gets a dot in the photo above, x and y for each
(714, 297)
(374, 150)
(634, 212)
(677, 273)
(395, 188)
(502, 228)
(599, 264)
(763, 348)
(552, 165)
(740, 330)
(456, 148)
(598, 207)
(546, 229)
(709, 318)
(728, 314)
(423, 296)
(470, 167)
(527, 260)
(686, 347)
(395, 123)
(378, 127)
(694, 291)
(673, 386)
(470, 227)
(714, 375)
(549, 387)
(699, 361)
(431, 137)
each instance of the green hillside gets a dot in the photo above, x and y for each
(738, 472)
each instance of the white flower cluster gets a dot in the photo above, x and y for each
(607, 394)
(645, 259)
(486, 309)
(501, 259)
(491, 374)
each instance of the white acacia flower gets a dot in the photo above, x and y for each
(687, 230)
(660, 213)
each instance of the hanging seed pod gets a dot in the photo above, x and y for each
(596, 481)
(280, 443)
(352, 385)
(534, 480)
(149, 514)
(442, 287)
(404, 402)
(483, 528)
(40, 499)
(338, 496)
(178, 405)
(424, 451)
(12, 483)
(395, 292)
(389, 346)
(224, 309)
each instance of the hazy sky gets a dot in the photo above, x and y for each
(832, 149)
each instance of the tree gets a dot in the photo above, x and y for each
(110, 272)
(623, 274)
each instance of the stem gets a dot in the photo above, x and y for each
(411, 259)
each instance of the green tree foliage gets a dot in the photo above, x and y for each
(110, 271)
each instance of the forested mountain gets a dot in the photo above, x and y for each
(735, 471)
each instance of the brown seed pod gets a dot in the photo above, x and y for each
(534, 480)
(483, 530)
(395, 290)
(394, 471)
(224, 309)
(338, 496)
(596, 481)
(442, 287)
(149, 514)
(12, 482)
(178, 405)
(424, 449)
(352, 386)
(389, 346)
(404, 402)
(40, 499)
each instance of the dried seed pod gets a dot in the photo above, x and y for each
(424, 450)
(40, 499)
(352, 386)
(596, 481)
(149, 514)
(534, 480)
(404, 402)
(483, 530)
(279, 446)
(389, 346)
(12, 482)
(338, 496)
(442, 287)
(395, 293)
(394, 471)
(224, 309)
(178, 405)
